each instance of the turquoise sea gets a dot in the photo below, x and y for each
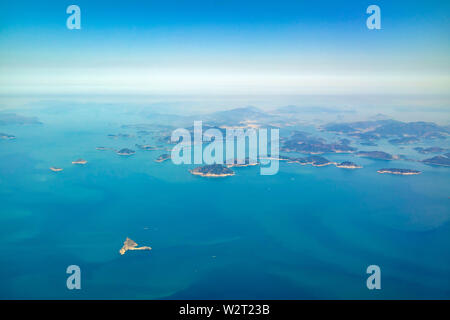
(304, 233)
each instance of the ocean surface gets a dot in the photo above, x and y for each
(304, 233)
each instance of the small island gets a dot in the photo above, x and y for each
(131, 245)
(79, 161)
(119, 135)
(7, 136)
(163, 157)
(125, 152)
(348, 165)
(145, 147)
(403, 172)
(55, 169)
(103, 148)
(212, 171)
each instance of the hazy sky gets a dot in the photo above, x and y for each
(225, 46)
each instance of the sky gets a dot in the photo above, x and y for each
(224, 47)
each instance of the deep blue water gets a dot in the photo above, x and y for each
(305, 233)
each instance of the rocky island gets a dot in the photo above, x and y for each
(163, 157)
(125, 152)
(213, 171)
(403, 172)
(348, 165)
(131, 245)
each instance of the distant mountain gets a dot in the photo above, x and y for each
(357, 127)
(379, 116)
(419, 129)
(373, 130)
(246, 113)
(297, 109)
